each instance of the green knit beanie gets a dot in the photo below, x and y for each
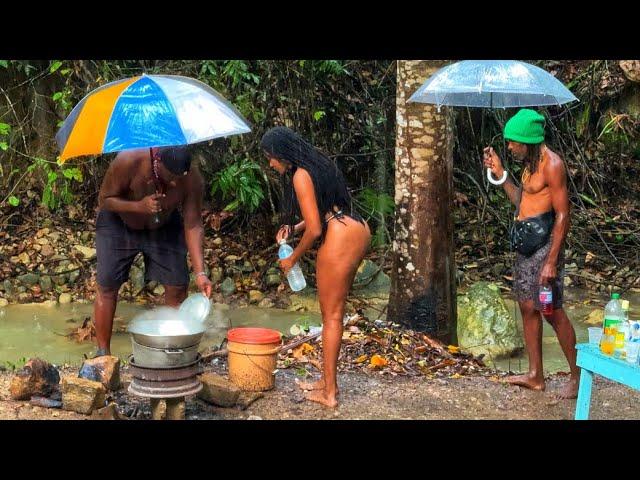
(526, 126)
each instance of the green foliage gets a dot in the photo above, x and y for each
(378, 206)
(5, 129)
(241, 182)
(238, 72)
(16, 366)
(57, 187)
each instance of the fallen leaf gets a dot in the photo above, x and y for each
(453, 349)
(361, 358)
(378, 361)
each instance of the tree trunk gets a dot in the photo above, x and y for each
(423, 293)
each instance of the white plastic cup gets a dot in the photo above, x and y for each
(595, 335)
(632, 349)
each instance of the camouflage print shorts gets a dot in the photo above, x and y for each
(526, 278)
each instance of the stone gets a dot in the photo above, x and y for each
(218, 390)
(82, 395)
(159, 290)
(24, 297)
(136, 278)
(85, 236)
(371, 280)
(217, 241)
(104, 369)
(255, 296)
(49, 303)
(231, 258)
(266, 303)
(64, 298)
(227, 287)
(45, 402)
(29, 279)
(42, 241)
(46, 250)
(247, 398)
(24, 258)
(45, 283)
(261, 263)
(175, 408)
(36, 378)
(216, 274)
(158, 409)
(3, 302)
(485, 325)
(254, 417)
(303, 302)
(247, 267)
(74, 275)
(87, 252)
(567, 281)
(7, 286)
(273, 277)
(110, 412)
(631, 69)
(59, 279)
(596, 317)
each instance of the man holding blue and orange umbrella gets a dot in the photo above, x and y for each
(149, 120)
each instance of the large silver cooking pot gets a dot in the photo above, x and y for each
(149, 357)
(166, 327)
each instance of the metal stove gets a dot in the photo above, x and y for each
(170, 384)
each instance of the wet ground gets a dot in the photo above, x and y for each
(378, 397)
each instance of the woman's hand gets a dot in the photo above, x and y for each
(283, 233)
(286, 264)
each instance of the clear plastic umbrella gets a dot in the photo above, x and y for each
(492, 84)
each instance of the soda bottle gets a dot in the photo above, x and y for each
(295, 277)
(546, 300)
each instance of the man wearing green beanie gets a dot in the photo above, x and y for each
(541, 226)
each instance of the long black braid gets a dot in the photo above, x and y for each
(328, 182)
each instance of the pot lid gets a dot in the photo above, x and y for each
(196, 307)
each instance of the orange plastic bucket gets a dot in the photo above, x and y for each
(252, 357)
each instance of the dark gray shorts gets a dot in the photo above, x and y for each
(164, 251)
(526, 275)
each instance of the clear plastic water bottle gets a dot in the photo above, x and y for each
(613, 316)
(295, 275)
(546, 300)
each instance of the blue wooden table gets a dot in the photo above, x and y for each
(591, 360)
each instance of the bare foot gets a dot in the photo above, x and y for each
(526, 381)
(317, 385)
(570, 389)
(320, 396)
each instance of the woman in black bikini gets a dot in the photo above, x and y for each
(315, 190)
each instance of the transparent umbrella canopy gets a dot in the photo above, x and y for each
(492, 84)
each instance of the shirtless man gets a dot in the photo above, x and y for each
(138, 213)
(544, 183)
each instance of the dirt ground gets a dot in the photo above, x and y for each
(374, 396)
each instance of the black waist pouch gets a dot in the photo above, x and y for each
(531, 234)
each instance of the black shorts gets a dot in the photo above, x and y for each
(164, 251)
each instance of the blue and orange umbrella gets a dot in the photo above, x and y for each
(147, 111)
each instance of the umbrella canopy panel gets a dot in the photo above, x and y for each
(147, 111)
(492, 84)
